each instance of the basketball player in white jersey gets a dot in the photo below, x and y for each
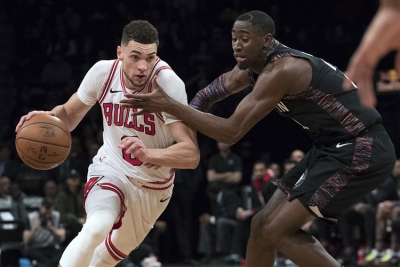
(130, 181)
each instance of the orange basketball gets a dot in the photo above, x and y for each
(43, 142)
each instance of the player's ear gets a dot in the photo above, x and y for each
(119, 52)
(268, 39)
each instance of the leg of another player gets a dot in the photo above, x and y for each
(278, 227)
(102, 208)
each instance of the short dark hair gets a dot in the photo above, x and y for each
(289, 161)
(260, 20)
(47, 203)
(140, 31)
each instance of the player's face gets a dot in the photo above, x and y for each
(248, 46)
(137, 62)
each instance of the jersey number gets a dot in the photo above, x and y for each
(128, 157)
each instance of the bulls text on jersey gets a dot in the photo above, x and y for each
(121, 116)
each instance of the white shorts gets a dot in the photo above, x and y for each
(141, 205)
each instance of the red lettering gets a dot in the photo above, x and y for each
(107, 109)
(149, 121)
(121, 116)
(118, 115)
(127, 122)
(128, 157)
(137, 127)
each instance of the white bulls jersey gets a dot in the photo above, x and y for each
(104, 84)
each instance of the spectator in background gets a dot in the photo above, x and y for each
(296, 155)
(287, 165)
(31, 180)
(363, 214)
(44, 235)
(255, 196)
(216, 227)
(225, 168)
(16, 193)
(5, 188)
(8, 166)
(396, 174)
(50, 189)
(180, 214)
(386, 201)
(20, 208)
(7, 203)
(69, 203)
(276, 169)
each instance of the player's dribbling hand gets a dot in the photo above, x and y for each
(30, 115)
(156, 101)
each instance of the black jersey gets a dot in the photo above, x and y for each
(325, 110)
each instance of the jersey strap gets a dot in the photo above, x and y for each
(150, 89)
(107, 83)
(288, 54)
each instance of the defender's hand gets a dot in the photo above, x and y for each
(156, 101)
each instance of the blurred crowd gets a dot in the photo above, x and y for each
(46, 48)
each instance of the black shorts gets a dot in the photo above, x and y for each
(331, 178)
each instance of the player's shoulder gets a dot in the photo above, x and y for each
(162, 65)
(285, 66)
(163, 69)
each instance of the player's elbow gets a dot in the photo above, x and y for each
(230, 138)
(194, 162)
(230, 141)
(191, 159)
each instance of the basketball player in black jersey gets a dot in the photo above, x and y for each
(352, 153)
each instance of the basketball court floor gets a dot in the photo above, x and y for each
(238, 265)
(219, 265)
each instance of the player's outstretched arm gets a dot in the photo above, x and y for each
(381, 37)
(265, 96)
(158, 101)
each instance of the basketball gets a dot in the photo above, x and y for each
(43, 142)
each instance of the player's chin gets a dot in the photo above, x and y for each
(139, 83)
(242, 66)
